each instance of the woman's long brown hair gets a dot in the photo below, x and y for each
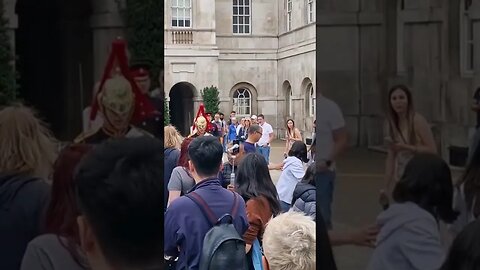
(393, 119)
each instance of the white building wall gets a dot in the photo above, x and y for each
(260, 61)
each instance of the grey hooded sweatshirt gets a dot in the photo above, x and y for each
(409, 239)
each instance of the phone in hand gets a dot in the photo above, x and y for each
(236, 150)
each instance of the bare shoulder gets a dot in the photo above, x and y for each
(420, 121)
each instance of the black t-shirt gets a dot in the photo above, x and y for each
(477, 101)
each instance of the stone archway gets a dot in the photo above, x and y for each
(61, 49)
(181, 107)
(54, 49)
(287, 90)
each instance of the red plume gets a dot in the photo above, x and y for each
(118, 57)
(201, 112)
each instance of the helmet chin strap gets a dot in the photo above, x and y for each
(110, 129)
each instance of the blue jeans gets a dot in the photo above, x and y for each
(325, 182)
(265, 152)
(284, 207)
(473, 145)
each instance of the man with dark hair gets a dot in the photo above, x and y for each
(185, 225)
(263, 145)
(232, 115)
(254, 135)
(118, 191)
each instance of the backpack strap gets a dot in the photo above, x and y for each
(207, 212)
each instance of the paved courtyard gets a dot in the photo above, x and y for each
(359, 178)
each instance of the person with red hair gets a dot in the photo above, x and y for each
(59, 247)
(181, 180)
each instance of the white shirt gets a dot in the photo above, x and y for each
(267, 130)
(330, 119)
(292, 173)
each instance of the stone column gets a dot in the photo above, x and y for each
(107, 24)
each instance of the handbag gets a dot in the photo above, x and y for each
(257, 254)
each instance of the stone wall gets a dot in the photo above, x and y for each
(365, 47)
(260, 61)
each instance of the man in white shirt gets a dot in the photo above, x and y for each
(331, 140)
(263, 145)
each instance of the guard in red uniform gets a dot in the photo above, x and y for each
(154, 123)
(119, 99)
(200, 125)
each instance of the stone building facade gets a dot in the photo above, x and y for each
(433, 46)
(260, 55)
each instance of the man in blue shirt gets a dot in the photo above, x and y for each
(185, 225)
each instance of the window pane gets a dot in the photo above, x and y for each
(247, 20)
(247, 29)
(188, 3)
(247, 11)
(180, 23)
(181, 3)
(235, 29)
(247, 2)
(235, 2)
(174, 23)
(240, 20)
(235, 20)
(240, 10)
(240, 2)
(187, 23)
(235, 11)
(240, 29)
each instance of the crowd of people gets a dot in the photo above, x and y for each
(95, 203)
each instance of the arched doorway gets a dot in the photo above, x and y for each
(54, 48)
(287, 89)
(181, 107)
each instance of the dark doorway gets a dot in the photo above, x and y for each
(181, 107)
(54, 49)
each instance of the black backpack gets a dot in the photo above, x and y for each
(223, 247)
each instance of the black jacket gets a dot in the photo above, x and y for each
(305, 199)
(22, 203)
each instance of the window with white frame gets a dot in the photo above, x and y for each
(289, 15)
(467, 38)
(310, 11)
(311, 100)
(242, 102)
(182, 13)
(241, 17)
